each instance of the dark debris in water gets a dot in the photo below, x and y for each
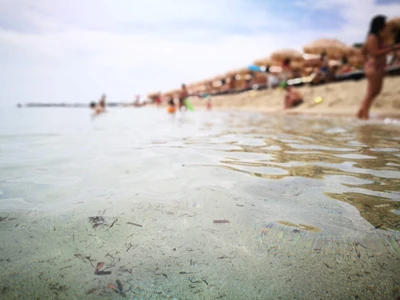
(98, 268)
(118, 288)
(221, 221)
(97, 221)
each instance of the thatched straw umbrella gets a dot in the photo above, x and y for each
(232, 77)
(333, 48)
(389, 33)
(172, 93)
(217, 81)
(152, 95)
(283, 54)
(263, 62)
(206, 86)
(356, 57)
(232, 73)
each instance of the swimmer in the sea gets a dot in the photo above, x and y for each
(97, 109)
(171, 106)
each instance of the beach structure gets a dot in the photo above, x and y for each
(282, 54)
(340, 57)
(333, 48)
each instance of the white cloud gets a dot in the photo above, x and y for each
(74, 51)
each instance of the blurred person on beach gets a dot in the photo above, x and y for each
(322, 74)
(232, 84)
(292, 98)
(182, 97)
(97, 108)
(171, 106)
(102, 102)
(158, 99)
(374, 51)
(272, 80)
(208, 104)
(396, 55)
(285, 73)
(249, 80)
(344, 67)
(136, 103)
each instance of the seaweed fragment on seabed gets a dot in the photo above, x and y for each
(134, 224)
(112, 224)
(118, 288)
(97, 221)
(84, 258)
(221, 221)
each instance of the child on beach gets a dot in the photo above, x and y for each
(293, 98)
(208, 104)
(158, 99)
(375, 52)
(171, 106)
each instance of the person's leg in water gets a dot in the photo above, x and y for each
(374, 87)
(182, 105)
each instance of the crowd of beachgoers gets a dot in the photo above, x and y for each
(322, 61)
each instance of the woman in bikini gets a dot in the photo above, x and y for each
(375, 52)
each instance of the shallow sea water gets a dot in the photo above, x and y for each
(305, 208)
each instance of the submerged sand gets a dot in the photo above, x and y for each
(305, 207)
(176, 251)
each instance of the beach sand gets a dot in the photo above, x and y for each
(341, 98)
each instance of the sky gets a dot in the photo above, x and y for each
(73, 51)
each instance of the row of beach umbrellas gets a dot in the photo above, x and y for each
(306, 61)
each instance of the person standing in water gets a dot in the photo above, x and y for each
(97, 109)
(374, 51)
(102, 102)
(182, 97)
(171, 106)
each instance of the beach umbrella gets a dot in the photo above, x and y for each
(152, 95)
(266, 61)
(390, 30)
(312, 63)
(204, 85)
(356, 57)
(217, 81)
(295, 65)
(283, 54)
(243, 74)
(332, 47)
(334, 63)
(231, 73)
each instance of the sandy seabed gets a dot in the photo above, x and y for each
(174, 250)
